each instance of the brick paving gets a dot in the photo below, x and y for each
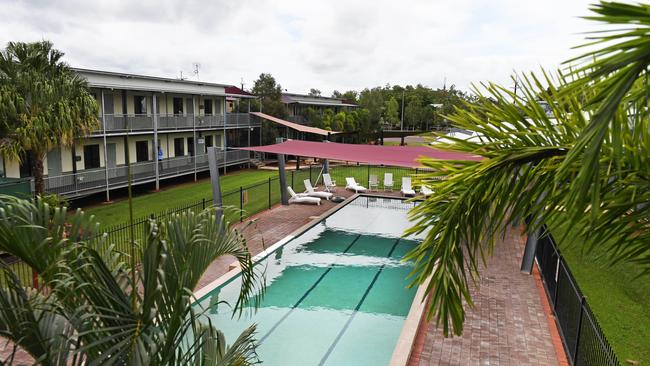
(507, 326)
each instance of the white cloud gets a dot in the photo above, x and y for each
(326, 45)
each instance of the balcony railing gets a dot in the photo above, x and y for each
(94, 180)
(144, 122)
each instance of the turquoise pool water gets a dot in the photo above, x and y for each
(336, 295)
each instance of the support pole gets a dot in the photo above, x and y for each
(216, 184)
(108, 195)
(283, 180)
(155, 141)
(529, 251)
(225, 135)
(195, 110)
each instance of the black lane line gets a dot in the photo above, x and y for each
(304, 296)
(356, 309)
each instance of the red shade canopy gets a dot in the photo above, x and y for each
(403, 156)
(295, 126)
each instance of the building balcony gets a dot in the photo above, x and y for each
(119, 123)
(90, 181)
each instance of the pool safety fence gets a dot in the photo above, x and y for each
(583, 338)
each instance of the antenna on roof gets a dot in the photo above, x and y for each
(242, 83)
(182, 78)
(196, 66)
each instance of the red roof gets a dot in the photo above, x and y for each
(295, 126)
(236, 91)
(404, 156)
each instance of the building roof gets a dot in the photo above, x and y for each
(294, 126)
(120, 80)
(290, 98)
(404, 156)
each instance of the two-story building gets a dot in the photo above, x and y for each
(162, 126)
(298, 104)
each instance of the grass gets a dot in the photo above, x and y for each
(146, 204)
(619, 299)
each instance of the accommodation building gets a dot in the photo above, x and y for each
(298, 104)
(162, 126)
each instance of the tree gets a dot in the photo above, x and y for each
(373, 101)
(585, 159)
(93, 313)
(391, 112)
(339, 121)
(43, 104)
(314, 117)
(270, 92)
(314, 92)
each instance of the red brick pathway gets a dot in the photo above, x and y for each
(507, 326)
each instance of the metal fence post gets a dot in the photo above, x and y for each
(582, 310)
(241, 203)
(292, 174)
(203, 203)
(310, 178)
(269, 193)
(368, 175)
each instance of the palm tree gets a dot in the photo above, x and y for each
(586, 159)
(43, 104)
(91, 312)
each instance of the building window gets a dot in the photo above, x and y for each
(190, 146)
(91, 156)
(142, 151)
(178, 105)
(179, 149)
(207, 107)
(140, 104)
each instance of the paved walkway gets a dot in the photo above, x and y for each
(508, 325)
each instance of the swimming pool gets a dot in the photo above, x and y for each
(336, 294)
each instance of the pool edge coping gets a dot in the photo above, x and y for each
(412, 323)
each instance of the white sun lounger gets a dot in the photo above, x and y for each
(407, 190)
(354, 186)
(373, 182)
(311, 192)
(388, 181)
(330, 185)
(302, 198)
(426, 191)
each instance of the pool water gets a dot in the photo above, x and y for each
(335, 295)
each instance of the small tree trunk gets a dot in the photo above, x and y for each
(39, 184)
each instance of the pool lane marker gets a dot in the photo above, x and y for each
(304, 296)
(356, 309)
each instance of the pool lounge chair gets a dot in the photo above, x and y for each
(388, 182)
(407, 190)
(330, 185)
(373, 182)
(354, 186)
(426, 191)
(311, 192)
(302, 198)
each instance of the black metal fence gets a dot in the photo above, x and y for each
(584, 340)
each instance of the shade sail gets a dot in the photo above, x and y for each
(294, 126)
(403, 156)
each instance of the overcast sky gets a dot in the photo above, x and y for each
(327, 44)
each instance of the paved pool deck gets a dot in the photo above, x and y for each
(509, 324)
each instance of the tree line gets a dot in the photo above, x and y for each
(389, 107)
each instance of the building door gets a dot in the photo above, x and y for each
(54, 162)
(111, 160)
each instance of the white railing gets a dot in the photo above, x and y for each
(143, 122)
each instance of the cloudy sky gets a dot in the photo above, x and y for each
(328, 44)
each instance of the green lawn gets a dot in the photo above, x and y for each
(169, 198)
(620, 301)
